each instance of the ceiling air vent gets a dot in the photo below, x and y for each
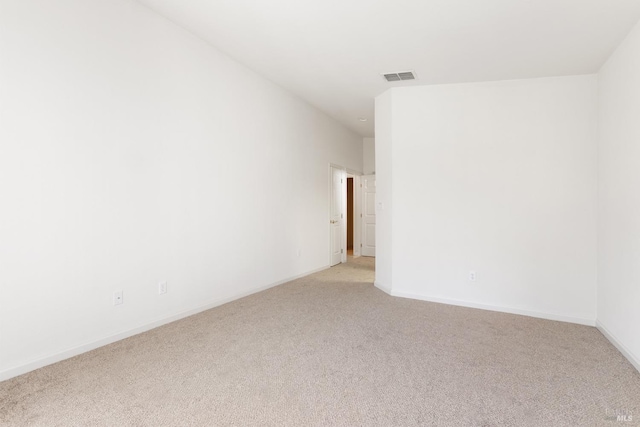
(396, 77)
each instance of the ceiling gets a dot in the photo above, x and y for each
(332, 52)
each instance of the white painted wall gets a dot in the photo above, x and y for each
(619, 198)
(498, 178)
(132, 152)
(384, 181)
(368, 156)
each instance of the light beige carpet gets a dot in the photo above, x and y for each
(330, 349)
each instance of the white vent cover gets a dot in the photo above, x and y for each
(396, 77)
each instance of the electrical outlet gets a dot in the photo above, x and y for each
(117, 298)
(472, 276)
(299, 252)
(162, 288)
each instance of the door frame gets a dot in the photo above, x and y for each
(357, 211)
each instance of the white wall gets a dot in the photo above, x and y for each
(619, 197)
(133, 152)
(368, 156)
(384, 180)
(497, 178)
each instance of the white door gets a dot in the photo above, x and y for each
(336, 217)
(369, 215)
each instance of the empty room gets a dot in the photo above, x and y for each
(319, 213)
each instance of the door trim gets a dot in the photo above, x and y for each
(357, 212)
(357, 219)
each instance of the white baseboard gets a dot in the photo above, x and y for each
(382, 287)
(635, 361)
(92, 345)
(502, 309)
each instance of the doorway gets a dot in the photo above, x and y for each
(345, 215)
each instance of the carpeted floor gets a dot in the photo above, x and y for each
(330, 349)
